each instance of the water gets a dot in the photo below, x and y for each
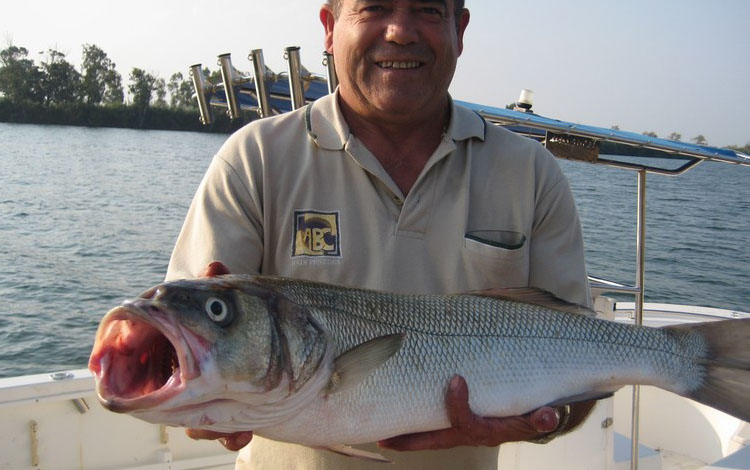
(88, 218)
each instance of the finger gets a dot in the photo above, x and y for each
(442, 439)
(204, 434)
(545, 419)
(232, 441)
(215, 269)
(457, 404)
(237, 440)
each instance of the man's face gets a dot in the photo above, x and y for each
(394, 58)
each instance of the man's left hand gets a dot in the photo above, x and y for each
(468, 429)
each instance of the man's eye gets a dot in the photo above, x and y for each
(432, 10)
(373, 8)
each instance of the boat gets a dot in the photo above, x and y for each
(54, 420)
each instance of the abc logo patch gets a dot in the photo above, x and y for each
(316, 234)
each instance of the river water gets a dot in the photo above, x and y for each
(88, 218)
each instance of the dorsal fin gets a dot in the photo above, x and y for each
(535, 296)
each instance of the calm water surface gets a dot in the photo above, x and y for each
(88, 218)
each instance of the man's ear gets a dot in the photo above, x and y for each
(463, 22)
(328, 19)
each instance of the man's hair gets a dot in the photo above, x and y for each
(459, 4)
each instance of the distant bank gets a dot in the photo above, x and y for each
(120, 116)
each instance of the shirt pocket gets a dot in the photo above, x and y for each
(496, 258)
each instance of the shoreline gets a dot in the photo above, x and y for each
(120, 116)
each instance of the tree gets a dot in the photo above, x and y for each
(745, 149)
(160, 87)
(180, 92)
(700, 140)
(651, 134)
(61, 82)
(676, 136)
(615, 127)
(101, 82)
(141, 88)
(114, 93)
(20, 78)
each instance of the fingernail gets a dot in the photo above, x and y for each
(455, 383)
(547, 422)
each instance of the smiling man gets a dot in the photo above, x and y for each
(395, 61)
(388, 184)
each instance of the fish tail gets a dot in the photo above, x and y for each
(724, 359)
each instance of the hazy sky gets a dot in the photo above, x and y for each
(645, 65)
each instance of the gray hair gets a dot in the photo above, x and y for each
(459, 6)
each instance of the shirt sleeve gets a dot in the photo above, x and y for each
(223, 223)
(557, 261)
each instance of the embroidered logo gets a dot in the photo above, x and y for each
(316, 234)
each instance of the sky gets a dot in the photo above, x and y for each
(644, 65)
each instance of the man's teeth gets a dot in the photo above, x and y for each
(398, 65)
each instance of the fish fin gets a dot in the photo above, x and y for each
(350, 451)
(593, 395)
(726, 380)
(535, 296)
(354, 365)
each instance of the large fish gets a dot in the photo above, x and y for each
(324, 366)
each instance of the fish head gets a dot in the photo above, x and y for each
(183, 346)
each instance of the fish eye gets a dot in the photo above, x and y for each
(218, 311)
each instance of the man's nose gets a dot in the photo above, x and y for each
(401, 27)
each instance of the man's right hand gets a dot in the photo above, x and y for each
(232, 441)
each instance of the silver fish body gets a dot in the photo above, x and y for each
(322, 365)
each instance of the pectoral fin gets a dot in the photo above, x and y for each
(358, 453)
(353, 366)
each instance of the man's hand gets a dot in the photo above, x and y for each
(232, 441)
(468, 429)
(214, 269)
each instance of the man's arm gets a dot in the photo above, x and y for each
(224, 223)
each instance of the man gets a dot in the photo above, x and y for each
(387, 184)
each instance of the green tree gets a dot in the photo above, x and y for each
(160, 87)
(745, 149)
(180, 92)
(142, 87)
(20, 78)
(101, 82)
(114, 93)
(61, 82)
(651, 134)
(700, 140)
(676, 136)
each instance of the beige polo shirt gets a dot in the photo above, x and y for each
(299, 195)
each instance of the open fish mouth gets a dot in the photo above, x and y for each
(142, 358)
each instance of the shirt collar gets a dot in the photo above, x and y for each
(327, 127)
